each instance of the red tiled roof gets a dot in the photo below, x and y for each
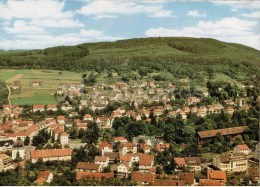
(82, 174)
(87, 116)
(38, 106)
(87, 166)
(51, 153)
(101, 159)
(140, 177)
(253, 172)
(217, 175)
(227, 131)
(119, 138)
(146, 160)
(168, 183)
(60, 118)
(210, 182)
(179, 161)
(242, 147)
(43, 174)
(189, 177)
(105, 144)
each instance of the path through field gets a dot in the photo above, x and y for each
(9, 94)
(14, 78)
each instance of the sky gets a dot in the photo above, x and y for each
(37, 24)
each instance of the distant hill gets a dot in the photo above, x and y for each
(180, 56)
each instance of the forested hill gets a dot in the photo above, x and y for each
(180, 56)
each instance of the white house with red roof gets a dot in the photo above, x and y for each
(87, 117)
(242, 149)
(38, 108)
(63, 138)
(105, 147)
(61, 119)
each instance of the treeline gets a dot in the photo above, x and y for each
(182, 57)
(3, 93)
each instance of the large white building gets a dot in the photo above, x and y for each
(51, 155)
(231, 162)
(20, 150)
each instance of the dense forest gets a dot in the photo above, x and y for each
(192, 58)
(3, 93)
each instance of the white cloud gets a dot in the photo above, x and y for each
(253, 4)
(21, 27)
(196, 13)
(33, 9)
(227, 29)
(63, 23)
(110, 9)
(162, 13)
(252, 15)
(39, 41)
(6, 23)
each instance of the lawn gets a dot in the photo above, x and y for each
(38, 99)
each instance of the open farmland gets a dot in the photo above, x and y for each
(37, 94)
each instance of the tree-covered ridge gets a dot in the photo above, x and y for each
(146, 50)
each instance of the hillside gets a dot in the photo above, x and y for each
(180, 57)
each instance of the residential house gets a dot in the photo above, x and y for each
(61, 119)
(217, 175)
(193, 100)
(253, 174)
(103, 122)
(188, 177)
(201, 111)
(63, 138)
(38, 108)
(125, 148)
(145, 147)
(191, 163)
(44, 177)
(229, 110)
(5, 162)
(120, 139)
(105, 147)
(88, 167)
(231, 162)
(150, 140)
(37, 83)
(242, 149)
(52, 107)
(51, 154)
(102, 160)
(143, 178)
(160, 147)
(113, 157)
(123, 170)
(145, 162)
(87, 117)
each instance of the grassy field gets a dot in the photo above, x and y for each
(39, 99)
(41, 94)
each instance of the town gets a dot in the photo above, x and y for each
(148, 133)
